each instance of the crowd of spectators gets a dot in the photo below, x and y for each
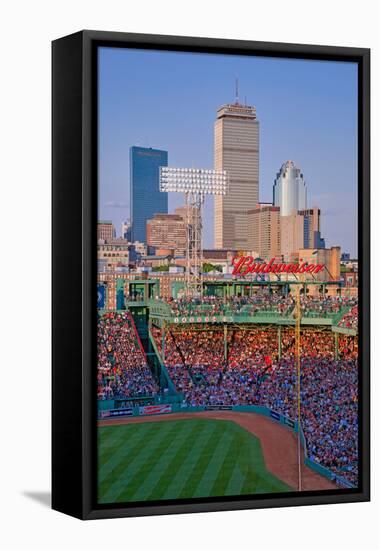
(122, 371)
(260, 301)
(246, 367)
(252, 373)
(350, 319)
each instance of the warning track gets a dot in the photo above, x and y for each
(279, 443)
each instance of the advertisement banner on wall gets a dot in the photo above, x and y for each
(218, 407)
(155, 409)
(124, 411)
(100, 296)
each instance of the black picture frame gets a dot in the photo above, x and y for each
(74, 206)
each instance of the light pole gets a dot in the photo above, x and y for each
(195, 183)
(298, 372)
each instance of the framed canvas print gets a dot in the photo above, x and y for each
(210, 274)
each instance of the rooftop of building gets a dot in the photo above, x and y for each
(154, 257)
(217, 253)
(237, 110)
(148, 151)
(312, 210)
(167, 217)
(264, 208)
(286, 167)
(116, 240)
(113, 242)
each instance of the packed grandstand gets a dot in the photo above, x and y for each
(260, 301)
(122, 370)
(244, 366)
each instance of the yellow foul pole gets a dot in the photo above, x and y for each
(298, 372)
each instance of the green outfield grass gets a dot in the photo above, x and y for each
(180, 459)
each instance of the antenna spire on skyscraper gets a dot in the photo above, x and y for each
(237, 91)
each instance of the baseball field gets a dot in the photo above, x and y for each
(194, 456)
(181, 459)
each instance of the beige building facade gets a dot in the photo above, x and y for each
(236, 150)
(264, 231)
(113, 252)
(167, 231)
(300, 230)
(330, 257)
(291, 235)
(188, 213)
(105, 231)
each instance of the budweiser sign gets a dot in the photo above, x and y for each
(243, 265)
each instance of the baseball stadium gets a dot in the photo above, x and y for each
(248, 387)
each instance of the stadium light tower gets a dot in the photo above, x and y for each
(195, 183)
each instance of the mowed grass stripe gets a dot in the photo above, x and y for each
(235, 483)
(212, 463)
(225, 472)
(147, 460)
(181, 459)
(123, 439)
(149, 481)
(111, 438)
(125, 449)
(174, 466)
(256, 482)
(225, 448)
(186, 475)
(251, 463)
(115, 472)
(268, 483)
(191, 482)
(249, 457)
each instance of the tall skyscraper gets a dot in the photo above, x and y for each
(145, 197)
(290, 190)
(264, 231)
(236, 149)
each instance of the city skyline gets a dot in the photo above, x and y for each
(316, 126)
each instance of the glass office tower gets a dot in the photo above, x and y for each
(145, 197)
(290, 190)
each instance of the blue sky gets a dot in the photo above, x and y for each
(307, 112)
